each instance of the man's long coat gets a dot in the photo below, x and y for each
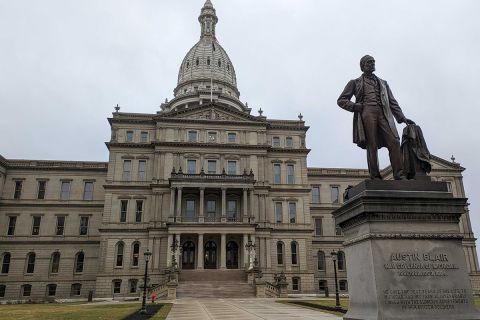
(389, 104)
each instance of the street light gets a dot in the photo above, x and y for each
(337, 297)
(147, 256)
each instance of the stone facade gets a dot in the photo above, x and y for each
(201, 172)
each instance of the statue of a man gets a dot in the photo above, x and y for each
(373, 113)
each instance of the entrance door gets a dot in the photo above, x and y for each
(232, 255)
(188, 255)
(210, 255)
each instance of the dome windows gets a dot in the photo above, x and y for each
(188, 64)
(197, 62)
(219, 63)
(228, 67)
(208, 61)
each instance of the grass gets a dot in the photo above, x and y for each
(69, 311)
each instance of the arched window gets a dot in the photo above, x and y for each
(6, 262)
(341, 260)
(119, 251)
(55, 263)
(294, 250)
(197, 62)
(79, 261)
(208, 61)
(320, 260)
(219, 63)
(280, 253)
(135, 253)
(188, 64)
(31, 262)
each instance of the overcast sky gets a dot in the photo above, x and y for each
(65, 64)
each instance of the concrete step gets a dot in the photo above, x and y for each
(238, 275)
(215, 289)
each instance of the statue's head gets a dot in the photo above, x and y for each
(367, 64)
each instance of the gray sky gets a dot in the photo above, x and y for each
(65, 64)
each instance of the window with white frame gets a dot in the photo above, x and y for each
(65, 190)
(318, 227)
(334, 191)
(212, 136)
(144, 136)
(278, 212)
(12, 221)
(129, 136)
(289, 142)
(277, 173)
(232, 167)
(292, 212)
(127, 169)
(36, 220)
(42, 187)
(316, 194)
(290, 174)
(192, 136)
(83, 225)
(139, 211)
(88, 190)
(211, 166)
(276, 141)
(191, 166)
(232, 137)
(142, 166)
(123, 210)
(60, 226)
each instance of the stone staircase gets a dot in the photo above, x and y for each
(214, 284)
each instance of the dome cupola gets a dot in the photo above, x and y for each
(206, 72)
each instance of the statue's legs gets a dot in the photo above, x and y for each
(376, 125)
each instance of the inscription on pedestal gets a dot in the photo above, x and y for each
(415, 264)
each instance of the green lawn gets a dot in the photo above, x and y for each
(69, 311)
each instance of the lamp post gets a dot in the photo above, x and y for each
(147, 256)
(337, 297)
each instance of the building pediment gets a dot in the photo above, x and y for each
(210, 112)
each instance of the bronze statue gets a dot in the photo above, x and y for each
(373, 117)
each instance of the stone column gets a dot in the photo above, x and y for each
(251, 214)
(245, 205)
(172, 205)
(169, 250)
(200, 256)
(179, 204)
(245, 251)
(177, 253)
(223, 251)
(224, 205)
(201, 217)
(268, 253)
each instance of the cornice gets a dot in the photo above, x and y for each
(49, 242)
(41, 204)
(289, 150)
(23, 164)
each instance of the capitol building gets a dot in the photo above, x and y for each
(204, 175)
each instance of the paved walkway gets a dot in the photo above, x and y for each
(242, 309)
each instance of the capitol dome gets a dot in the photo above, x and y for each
(206, 71)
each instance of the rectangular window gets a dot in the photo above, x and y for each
(232, 167)
(334, 193)
(292, 212)
(12, 221)
(76, 289)
(212, 166)
(232, 137)
(142, 165)
(342, 284)
(322, 285)
(60, 225)
(139, 211)
(26, 290)
(316, 194)
(189, 210)
(289, 142)
(65, 190)
(318, 227)
(42, 186)
(276, 141)
(211, 210)
(83, 226)
(132, 284)
(2, 290)
(278, 212)
(277, 174)
(129, 136)
(290, 174)
(232, 210)
(127, 168)
(36, 225)
(449, 186)
(123, 210)
(295, 284)
(144, 136)
(88, 190)
(191, 166)
(51, 290)
(338, 231)
(192, 136)
(117, 284)
(212, 137)
(18, 190)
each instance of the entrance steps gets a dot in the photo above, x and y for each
(235, 275)
(214, 284)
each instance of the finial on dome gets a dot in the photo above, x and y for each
(208, 19)
(117, 108)
(260, 112)
(300, 116)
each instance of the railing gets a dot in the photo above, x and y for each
(271, 290)
(167, 289)
(206, 177)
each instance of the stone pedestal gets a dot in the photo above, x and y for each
(403, 251)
